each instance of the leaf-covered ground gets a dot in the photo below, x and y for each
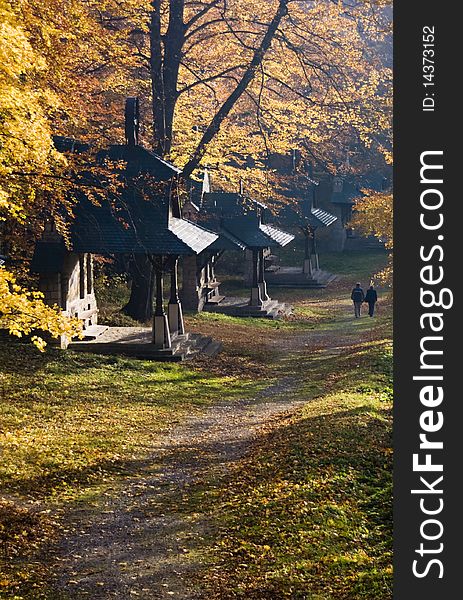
(308, 514)
(282, 491)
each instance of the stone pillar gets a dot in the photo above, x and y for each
(307, 268)
(174, 309)
(248, 267)
(190, 287)
(212, 263)
(161, 333)
(261, 282)
(213, 259)
(315, 252)
(256, 296)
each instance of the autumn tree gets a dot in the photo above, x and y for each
(25, 147)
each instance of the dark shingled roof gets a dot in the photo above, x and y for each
(133, 222)
(223, 203)
(231, 204)
(67, 144)
(342, 198)
(48, 257)
(350, 191)
(282, 238)
(139, 227)
(247, 229)
(320, 218)
(226, 241)
(240, 217)
(140, 160)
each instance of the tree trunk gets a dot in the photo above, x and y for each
(174, 40)
(165, 56)
(157, 80)
(140, 304)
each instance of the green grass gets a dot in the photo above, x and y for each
(355, 264)
(69, 417)
(303, 318)
(308, 516)
(70, 424)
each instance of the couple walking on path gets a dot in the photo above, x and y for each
(358, 297)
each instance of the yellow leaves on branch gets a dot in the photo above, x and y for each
(374, 216)
(62, 70)
(22, 312)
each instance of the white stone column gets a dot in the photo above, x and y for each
(256, 294)
(262, 284)
(174, 309)
(161, 332)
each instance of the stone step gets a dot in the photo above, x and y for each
(198, 343)
(94, 331)
(294, 278)
(271, 309)
(215, 300)
(183, 347)
(204, 345)
(142, 351)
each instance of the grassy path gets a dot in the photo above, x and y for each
(264, 473)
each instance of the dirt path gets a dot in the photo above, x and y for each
(137, 542)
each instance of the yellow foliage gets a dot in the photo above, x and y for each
(25, 135)
(374, 216)
(26, 156)
(22, 312)
(318, 89)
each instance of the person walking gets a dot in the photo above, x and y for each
(357, 298)
(371, 297)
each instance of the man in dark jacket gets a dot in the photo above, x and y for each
(357, 298)
(371, 297)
